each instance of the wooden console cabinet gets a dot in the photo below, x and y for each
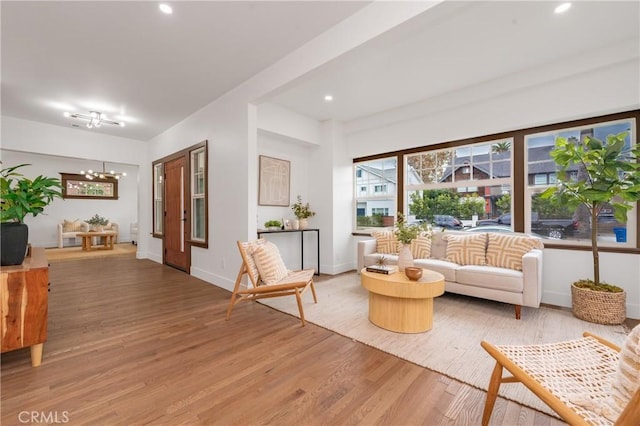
(24, 306)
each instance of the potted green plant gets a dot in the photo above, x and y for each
(405, 233)
(98, 223)
(608, 176)
(302, 212)
(19, 197)
(273, 225)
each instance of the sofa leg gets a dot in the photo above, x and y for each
(518, 309)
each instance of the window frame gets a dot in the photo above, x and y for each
(518, 174)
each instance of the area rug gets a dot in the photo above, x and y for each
(452, 346)
(73, 253)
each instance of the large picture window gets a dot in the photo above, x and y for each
(494, 181)
(555, 221)
(456, 187)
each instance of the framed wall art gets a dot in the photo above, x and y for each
(78, 186)
(273, 185)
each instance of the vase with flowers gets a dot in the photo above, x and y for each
(406, 233)
(302, 211)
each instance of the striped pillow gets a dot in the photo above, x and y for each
(386, 242)
(250, 247)
(506, 251)
(270, 265)
(467, 249)
(421, 246)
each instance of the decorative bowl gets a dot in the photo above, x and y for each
(413, 273)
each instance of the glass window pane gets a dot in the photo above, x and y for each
(158, 193)
(375, 192)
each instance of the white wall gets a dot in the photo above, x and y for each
(43, 228)
(54, 149)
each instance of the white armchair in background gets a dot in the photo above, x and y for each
(69, 228)
(133, 230)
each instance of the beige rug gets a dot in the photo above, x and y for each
(72, 253)
(452, 347)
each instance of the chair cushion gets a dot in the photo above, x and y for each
(72, 226)
(627, 378)
(270, 265)
(421, 246)
(506, 251)
(386, 242)
(249, 248)
(467, 249)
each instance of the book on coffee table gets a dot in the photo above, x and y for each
(382, 269)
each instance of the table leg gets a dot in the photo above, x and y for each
(36, 354)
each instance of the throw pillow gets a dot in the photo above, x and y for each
(386, 242)
(249, 248)
(421, 246)
(506, 251)
(72, 226)
(467, 249)
(270, 265)
(627, 378)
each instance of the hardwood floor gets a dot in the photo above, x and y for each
(132, 342)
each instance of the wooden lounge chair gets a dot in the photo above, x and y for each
(294, 283)
(559, 372)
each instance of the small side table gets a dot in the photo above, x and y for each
(398, 304)
(106, 240)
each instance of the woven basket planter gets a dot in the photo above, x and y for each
(600, 307)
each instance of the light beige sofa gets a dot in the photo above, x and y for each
(479, 277)
(68, 229)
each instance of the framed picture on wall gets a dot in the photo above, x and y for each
(273, 184)
(78, 186)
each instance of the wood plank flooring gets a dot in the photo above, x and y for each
(132, 342)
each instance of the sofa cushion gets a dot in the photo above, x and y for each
(467, 249)
(272, 268)
(448, 269)
(506, 251)
(386, 242)
(72, 225)
(421, 246)
(491, 277)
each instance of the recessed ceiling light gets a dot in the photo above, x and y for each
(328, 98)
(165, 8)
(562, 8)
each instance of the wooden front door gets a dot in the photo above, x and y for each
(176, 247)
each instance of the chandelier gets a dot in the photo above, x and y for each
(95, 119)
(104, 174)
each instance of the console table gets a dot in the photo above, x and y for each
(301, 232)
(24, 292)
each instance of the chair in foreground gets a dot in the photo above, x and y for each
(268, 276)
(587, 381)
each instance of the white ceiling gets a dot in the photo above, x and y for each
(457, 45)
(127, 59)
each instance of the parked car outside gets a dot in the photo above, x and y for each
(446, 222)
(550, 228)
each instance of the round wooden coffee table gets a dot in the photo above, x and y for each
(399, 304)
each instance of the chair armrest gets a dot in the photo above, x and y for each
(532, 278)
(365, 247)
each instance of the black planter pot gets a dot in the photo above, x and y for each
(13, 243)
